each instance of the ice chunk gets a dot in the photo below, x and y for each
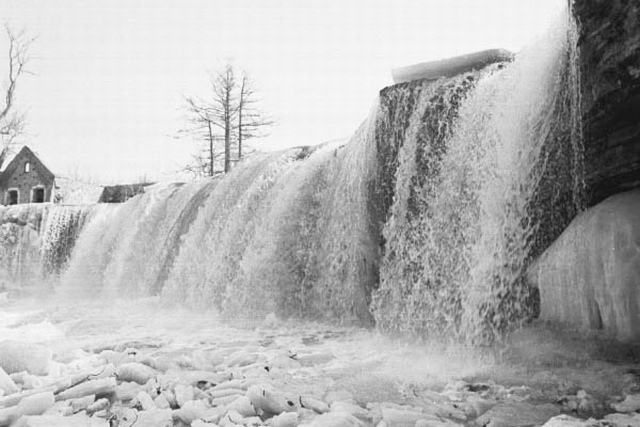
(6, 383)
(18, 356)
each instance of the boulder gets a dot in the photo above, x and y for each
(355, 410)
(285, 419)
(622, 420)
(183, 393)
(335, 419)
(631, 403)
(314, 404)
(35, 404)
(99, 387)
(189, 411)
(590, 276)
(78, 420)
(136, 372)
(398, 417)
(243, 406)
(517, 414)
(567, 421)
(126, 391)
(18, 356)
(155, 418)
(7, 385)
(269, 401)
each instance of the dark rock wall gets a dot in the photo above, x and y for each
(397, 106)
(121, 193)
(610, 71)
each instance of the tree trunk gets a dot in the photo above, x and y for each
(240, 132)
(211, 158)
(240, 105)
(227, 131)
(227, 148)
(3, 155)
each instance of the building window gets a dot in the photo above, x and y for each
(37, 196)
(12, 197)
(27, 167)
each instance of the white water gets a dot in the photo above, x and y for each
(281, 233)
(363, 361)
(456, 266)
(296, 232)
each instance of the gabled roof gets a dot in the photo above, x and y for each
(17, 159)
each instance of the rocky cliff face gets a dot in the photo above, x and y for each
(588, 276)
(610, 67)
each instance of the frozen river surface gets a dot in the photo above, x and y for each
(138, 363)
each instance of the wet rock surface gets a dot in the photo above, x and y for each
(284, 373)
(609, 61)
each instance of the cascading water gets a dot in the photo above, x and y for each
(456, 265)
(19, 246)
(61, 228)
(127, 249)
(37, 240)
(423, 222)
(287, 232)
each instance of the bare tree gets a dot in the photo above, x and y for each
(252, 123)
(228, 117)
(200, 124)
(12, 122)
(225, 103)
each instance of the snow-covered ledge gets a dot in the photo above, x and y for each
(450, 67)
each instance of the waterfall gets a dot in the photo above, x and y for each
(286, 233)
(127, 249)
(422, 223)
(61, 227)
(36, 241)
(455, 265)
(19, 246)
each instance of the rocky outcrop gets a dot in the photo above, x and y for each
(121, 193)
(610, 71)
(590, 276)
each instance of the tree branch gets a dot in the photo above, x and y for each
(12, 123)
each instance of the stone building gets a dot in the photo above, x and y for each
(26, 180)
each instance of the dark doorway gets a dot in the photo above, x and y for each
(12, 197)
(38, 195)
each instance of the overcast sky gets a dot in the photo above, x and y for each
(110, 75)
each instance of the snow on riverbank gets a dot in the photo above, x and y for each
(137, 363)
